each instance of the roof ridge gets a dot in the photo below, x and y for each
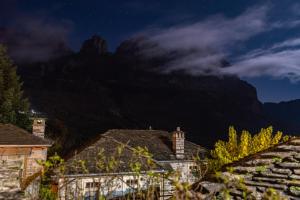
(125, 129)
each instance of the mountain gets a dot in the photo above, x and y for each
(89, 92)
(286, 115)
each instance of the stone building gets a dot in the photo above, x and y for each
(171, 151)
(276, 168)
(19, 151)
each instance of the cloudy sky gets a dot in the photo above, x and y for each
(260, 39)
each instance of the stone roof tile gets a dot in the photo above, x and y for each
(277, 167)
(158, 143)
(13, 135)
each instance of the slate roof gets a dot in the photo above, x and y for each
(277, 167)
(159, 144)
(13, 135)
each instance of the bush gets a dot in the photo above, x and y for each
(238, 147)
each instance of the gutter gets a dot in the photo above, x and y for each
(107, 174)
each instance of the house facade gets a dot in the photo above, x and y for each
(170, 152)
(19, 151)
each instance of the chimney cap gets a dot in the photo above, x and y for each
(38, 117)
(38, 120)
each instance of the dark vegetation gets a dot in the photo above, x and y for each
(13, 106)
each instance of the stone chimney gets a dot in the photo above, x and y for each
(178, 143)
(38, 127)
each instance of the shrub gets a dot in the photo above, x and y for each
(238, 147)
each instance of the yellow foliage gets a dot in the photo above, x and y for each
(238, 147)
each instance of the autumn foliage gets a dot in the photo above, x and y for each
(242, 145)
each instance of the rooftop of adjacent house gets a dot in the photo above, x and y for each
(158, 143)
(277, 167)
(13, 135)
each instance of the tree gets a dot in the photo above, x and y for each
(14, 108)
(236, 148)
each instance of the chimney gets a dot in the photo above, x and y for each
(178, 143)
(38, 127)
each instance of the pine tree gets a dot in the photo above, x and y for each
(14, 108)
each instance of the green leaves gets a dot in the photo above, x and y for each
(46, 193)
(54, 162)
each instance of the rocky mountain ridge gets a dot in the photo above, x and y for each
(89, 92)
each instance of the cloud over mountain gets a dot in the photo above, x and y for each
(280, 60)
(205, 44)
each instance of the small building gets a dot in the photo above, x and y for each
(19, 151)
(275, 169)
(170, 152)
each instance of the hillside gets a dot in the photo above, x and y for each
(285, 114)
(89, 92)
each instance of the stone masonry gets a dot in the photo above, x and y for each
(19, 152)
(10, 170)
(277, 168)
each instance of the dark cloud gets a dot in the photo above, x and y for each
(280, 61)
(35, 38)
(207, 43)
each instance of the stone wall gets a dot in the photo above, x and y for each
(36, 154)
(32, 190)
(10, 171)
(277, 168)
(17, 164)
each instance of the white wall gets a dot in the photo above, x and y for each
(184, 167)
(184, 172)
(118, 185)
(110, 186)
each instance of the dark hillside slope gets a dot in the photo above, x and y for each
(285, 114)
(91, 93)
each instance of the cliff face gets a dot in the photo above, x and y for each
(91, 93)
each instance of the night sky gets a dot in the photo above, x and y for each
(261, 38)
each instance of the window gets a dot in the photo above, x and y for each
(92, 184)
(131, 182)
(193, 168)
